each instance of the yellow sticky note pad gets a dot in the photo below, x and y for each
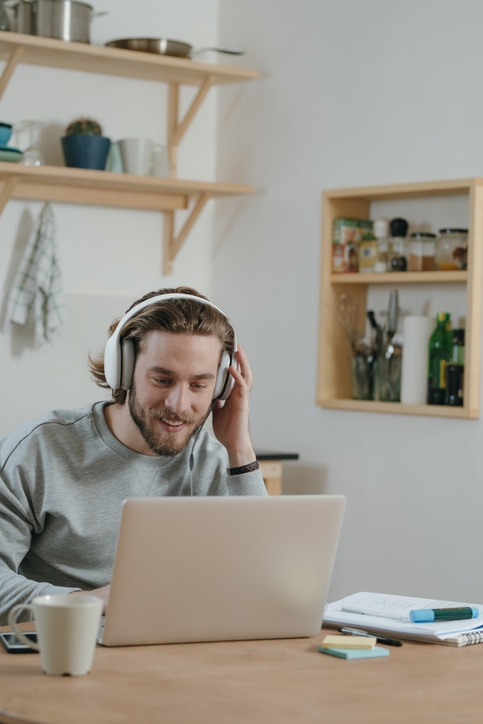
(348, 642)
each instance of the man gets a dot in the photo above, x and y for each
(170, 361)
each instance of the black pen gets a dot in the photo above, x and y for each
(379, 639)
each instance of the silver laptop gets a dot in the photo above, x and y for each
(222, 568)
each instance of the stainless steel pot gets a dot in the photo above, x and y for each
(67, 20)
(165, 46)
(24, 17)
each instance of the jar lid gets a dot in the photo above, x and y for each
(381, 227)
(399, 227)
(423, 235)
(453, 231)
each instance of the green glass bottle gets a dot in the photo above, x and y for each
(439, 355)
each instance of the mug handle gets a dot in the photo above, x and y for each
(12, 622)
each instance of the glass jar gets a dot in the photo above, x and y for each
(451, 249)
(421, 252)
(399, 253)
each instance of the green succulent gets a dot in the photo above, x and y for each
(84, 127)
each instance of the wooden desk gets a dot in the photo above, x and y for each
(271, 467)
(249, 682)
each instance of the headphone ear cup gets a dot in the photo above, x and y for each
(127, 367)
(224, 382)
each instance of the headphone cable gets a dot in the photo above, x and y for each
(191, 464)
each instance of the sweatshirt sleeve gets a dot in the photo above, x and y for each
(246, 484)
(16, 529)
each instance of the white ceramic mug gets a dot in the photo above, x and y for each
(160, 164)
(67, 629)
(136, 154)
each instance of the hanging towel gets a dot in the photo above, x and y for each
(37, 295)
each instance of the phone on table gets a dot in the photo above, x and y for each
(14, 646)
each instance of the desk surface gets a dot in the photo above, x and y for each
(248, 682)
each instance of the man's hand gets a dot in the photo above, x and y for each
(230, 420)
(100, 593)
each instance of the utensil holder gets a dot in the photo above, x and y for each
(363, 377)
(389, 378)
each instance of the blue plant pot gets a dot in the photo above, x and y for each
(86, 151)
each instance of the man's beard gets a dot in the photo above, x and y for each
(162, 442)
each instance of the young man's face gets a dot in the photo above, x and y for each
(172, 390)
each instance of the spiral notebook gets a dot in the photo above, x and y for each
(397, 624)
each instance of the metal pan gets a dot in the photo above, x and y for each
(165, 46)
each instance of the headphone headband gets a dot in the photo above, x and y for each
(119, 354)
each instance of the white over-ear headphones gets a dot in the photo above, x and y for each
(119, 356)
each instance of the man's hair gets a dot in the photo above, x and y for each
(180, 316)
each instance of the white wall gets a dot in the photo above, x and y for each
(351, 94)
(109, 257)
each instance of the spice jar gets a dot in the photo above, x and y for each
(451, 249)
(421, 252)
(381, 232)
(399, 255)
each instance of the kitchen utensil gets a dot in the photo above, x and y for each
(136, 155)
(160, 165)
(363, 357)
(377, 333)
(67, 20)
(114, 160)
(11, 154)
(5, 133)
(32, 155)
(24, 16)
(347, 312)
(390, 361)
(4, 21)
(166, 46)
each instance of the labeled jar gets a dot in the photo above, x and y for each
(398, 248)
(451, 250)
(421, 252)
(381, 232)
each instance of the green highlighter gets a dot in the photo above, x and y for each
(374, 653)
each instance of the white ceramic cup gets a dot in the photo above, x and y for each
(160, 162)
(136, 154)
(67, 628)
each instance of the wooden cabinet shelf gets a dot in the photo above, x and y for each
(396, 408)
(109, 189)
(334, 385)
(426, 277)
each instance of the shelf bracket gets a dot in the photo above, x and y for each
(192, 110)
(172, 244)
(12, 61)
(7, 191)
(176, 130)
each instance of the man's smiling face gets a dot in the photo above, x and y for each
(172, 390)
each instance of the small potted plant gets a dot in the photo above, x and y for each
(84, 146)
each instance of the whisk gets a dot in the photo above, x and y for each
(346, 310)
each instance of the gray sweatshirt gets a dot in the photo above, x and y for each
(63, 479)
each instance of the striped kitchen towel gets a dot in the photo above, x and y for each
(37, 296)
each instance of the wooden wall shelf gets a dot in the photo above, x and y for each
(115, 61)
(87, 187)
(334, 388)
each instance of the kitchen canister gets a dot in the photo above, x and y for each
(414, 373)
